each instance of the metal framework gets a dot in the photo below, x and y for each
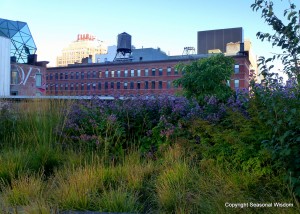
(22, 43)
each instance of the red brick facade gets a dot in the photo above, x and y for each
(126, 78)
(28, 80)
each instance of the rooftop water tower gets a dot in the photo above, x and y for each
(123, 47)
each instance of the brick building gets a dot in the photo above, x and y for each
(28, 79)
(130, 78)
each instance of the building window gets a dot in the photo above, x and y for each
(88, 75)
(236, 68)
(131, 85)
(125, 73)
(125, 85)
(77, 75)
(118, 85)
(168, 84)
(82, 75)
(112, 85)
(138, 73)
(112, 73)
(152, 84)
(106, 74)
(51, 76)
(228, 83)
(62, 87)
(160, 84)
(138, 85)
(132, 73)
(106, 85)
(176, 71)
(118, 73)
(146, 85)
(183, 71)
(94, 86)
(99, 85)
(100, 74)
(153, 71)
(168, 71)
(56, 76)
(14, 77)
(76, 87)
(46, 76)
(94, 74)
(82, 86)
(38, 80)
(160, 71)
(72, 87)
(56, 87)
(88, 86)
(66, 87)
(71, 75)
(236, 83)
(146, 72)
(61, 76)
(66, 76)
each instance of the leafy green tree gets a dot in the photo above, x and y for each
(286, 36)
(206, 77)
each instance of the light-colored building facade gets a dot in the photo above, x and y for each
(235, 48)
(84, 46)
(4, 66)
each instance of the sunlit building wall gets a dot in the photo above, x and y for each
(84, 46)
(4, 66)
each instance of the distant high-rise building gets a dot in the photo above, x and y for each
(86, 45)
(218, 39)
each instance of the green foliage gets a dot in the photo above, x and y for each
(198, 166)
(233, 143)
(206, 77)
(276, 111)
(286, 36)
(119, 200)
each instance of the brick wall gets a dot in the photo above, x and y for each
(24, 80)
(104, 79)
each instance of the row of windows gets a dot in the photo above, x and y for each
(106, 74)
(125, 73)
(111, 85)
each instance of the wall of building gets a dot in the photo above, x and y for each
(5, 45)
(110, 79)
(217, 39)
(28, 80)
(103, 79)
(85, 45)
(109, 56)
(242, 75)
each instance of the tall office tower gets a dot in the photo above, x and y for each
(218, 39)
(86, 45)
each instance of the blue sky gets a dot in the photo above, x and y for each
(170, 25)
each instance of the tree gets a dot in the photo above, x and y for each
(206, 77)
(286, 36)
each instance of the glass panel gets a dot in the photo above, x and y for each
(236, 83)
(14, 77)
(236, 68)
(160, 72)
(38, 80)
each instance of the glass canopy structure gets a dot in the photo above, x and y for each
(22, 43)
